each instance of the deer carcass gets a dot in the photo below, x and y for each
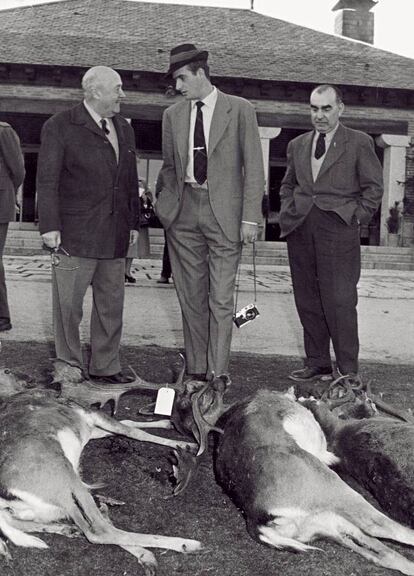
(41, 441)
(75, 386)
(272, 460)
(378, 452)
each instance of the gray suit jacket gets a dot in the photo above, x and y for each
(235, 164)
(11, 171)
(349, 182)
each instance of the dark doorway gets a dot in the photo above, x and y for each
(29, 212)
(276, 174)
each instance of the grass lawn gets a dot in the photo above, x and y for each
(139, 474)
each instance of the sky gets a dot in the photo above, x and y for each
(393, 18)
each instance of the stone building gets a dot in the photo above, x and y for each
(46, 48)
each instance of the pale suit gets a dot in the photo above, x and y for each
(203, 225)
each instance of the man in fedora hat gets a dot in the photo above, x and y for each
(209, 195)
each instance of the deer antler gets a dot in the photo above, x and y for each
(333, 397)
(203, 426)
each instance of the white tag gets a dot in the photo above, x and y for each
(165, 401)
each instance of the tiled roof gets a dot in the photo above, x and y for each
(242, 43)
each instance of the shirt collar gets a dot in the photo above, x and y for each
(97, 117)
(328, 135)
(209, 101)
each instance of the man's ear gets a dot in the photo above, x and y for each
(341, 108)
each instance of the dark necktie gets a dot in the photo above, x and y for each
(320, 147)
(104, 125)
(200, 149)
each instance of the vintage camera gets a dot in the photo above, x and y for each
(246, 314)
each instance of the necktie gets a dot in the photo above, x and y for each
(104, 125)
(200, 149)
(320, 147)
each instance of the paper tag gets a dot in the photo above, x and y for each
(165, 401)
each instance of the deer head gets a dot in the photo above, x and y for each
(197, 409)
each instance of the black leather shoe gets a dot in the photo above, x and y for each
(162, 280)
(5, 324)
(118, 378)
(130, 279)
(310, 373)
(195, 376)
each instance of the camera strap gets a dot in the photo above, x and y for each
(237, 286)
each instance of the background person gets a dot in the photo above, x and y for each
(333, 183)
(140, 248)
(12, 174)
(209, 200)
(88, 207)
(166, 264)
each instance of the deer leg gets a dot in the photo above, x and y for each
(100, 530)
(68, 530)
(108, 424)
(160, 424)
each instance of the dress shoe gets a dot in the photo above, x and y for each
(196, 376)
(310, 373)
(118, 378)
(162, 280)
(130, 279)
(5, 324)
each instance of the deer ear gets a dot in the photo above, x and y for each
(221, 383)
(290, 393)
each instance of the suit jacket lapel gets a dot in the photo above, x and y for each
(336, 149)
(182, 130)
(219, 121)
(305, 155)
(121, 139)
(79, 115)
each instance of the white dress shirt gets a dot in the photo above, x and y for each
(207, 111)
(317, 162)
(112, 136)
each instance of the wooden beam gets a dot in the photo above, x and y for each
(151, 105)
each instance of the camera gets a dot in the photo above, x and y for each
(246, 314)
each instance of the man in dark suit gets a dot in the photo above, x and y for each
(12, 174)
(209, 197)
(333, 183)
(88, 214)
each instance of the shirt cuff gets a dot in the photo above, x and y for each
(247, 222)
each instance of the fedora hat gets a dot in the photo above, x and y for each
(184, 54)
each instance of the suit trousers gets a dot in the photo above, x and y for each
(4, 305)
(71, 277)
(204, 265)
(325, 263)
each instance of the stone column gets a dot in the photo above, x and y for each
(395, 151)
(266, 134)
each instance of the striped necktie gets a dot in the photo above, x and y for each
(200, 149)
(104, 125)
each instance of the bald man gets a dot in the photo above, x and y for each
(87, 187)
(333, 183)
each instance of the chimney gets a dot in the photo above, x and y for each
(355, 20)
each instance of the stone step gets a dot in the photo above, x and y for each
(28, 243)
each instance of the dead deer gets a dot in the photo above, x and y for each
(271, 458)
(376, 450)
(41, 441)
(74, 385)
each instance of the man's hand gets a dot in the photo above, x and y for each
(52, 239)
(248, 232)
(133, 237)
